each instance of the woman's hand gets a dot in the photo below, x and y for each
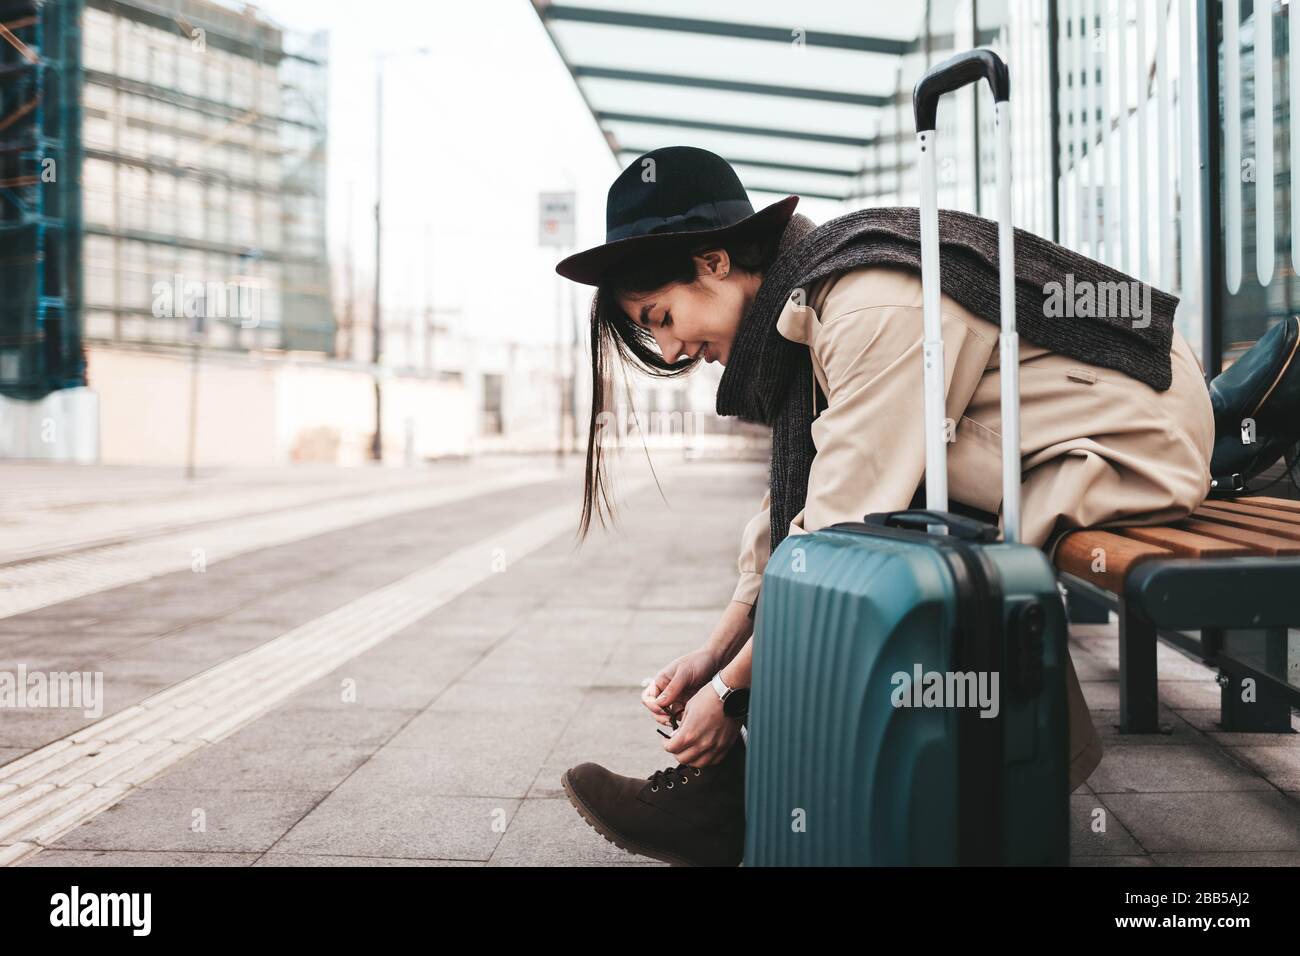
(670, 689)
(705, 734)
(677, 683)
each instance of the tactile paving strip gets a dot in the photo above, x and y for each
(65, 783)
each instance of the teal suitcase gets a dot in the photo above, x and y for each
(843, 767)
(908, 703)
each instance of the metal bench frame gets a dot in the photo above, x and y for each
(1167, 598)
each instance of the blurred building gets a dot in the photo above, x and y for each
(165, 169)
(165, 278)
(204, 138)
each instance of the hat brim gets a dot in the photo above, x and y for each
(590, 266)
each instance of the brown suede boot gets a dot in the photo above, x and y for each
(686, 816)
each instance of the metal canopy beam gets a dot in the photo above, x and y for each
(721, 28)
(765, 164)
(549, 13)
(894, 168)
(802, 135)
(802, 193)
(887, 46)
(734, 86)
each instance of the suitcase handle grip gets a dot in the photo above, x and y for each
(954, 73)
(959, 526)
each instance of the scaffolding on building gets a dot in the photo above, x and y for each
(40, 202)
(205, 165)
(162, 183)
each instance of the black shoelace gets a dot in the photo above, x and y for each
(672, 720)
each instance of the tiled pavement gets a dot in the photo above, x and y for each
(1193, 795)
(443, 745)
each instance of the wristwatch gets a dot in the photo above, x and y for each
(735, 700)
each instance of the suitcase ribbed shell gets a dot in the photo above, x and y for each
(838, 775)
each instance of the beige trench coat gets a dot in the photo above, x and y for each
(1097, 446)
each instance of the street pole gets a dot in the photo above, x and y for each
(192, 438)
(345, 344)
(376, 331)
(573, 367)
(428, 298)
(556, 231)
(197, 327)
(559, 363)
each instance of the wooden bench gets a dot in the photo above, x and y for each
(1223, 583)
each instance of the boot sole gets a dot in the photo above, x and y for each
(604, 830)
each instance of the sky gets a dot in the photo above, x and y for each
(473, 131)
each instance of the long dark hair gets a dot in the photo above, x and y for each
(614, 336)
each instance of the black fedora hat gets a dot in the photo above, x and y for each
(665, 196)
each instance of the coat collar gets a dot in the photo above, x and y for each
(798, 320)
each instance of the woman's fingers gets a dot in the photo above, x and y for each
(688, 758)
(697, 755)
(660, 715)
(683, 738)
(654, 688)
(677, 688)
(648, 696)
(686, 745)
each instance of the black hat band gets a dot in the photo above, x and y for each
(701, 218)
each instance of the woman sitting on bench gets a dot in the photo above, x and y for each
(819, 330)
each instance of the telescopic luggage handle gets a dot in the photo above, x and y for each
(953, 74)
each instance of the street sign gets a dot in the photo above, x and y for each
(555, 223)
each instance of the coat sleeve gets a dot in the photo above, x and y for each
(755, 548)
(870, 438)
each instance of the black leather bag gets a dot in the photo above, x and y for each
(1256, 409)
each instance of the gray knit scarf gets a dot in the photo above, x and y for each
(769, 379)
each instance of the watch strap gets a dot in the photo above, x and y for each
(720, 687)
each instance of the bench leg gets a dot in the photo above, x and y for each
(1138, 700)
(1211, 644)
(1084, 610)
(1266, 714)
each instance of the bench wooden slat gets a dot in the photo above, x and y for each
(1075, 555)
(1263, 501)
(1283, 529)
(1198, 591)
(1273, 514)
(1187, 544)
(1261, 542)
